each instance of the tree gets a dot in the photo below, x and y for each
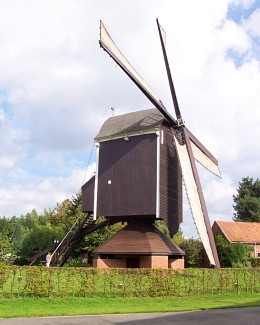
(161, 225)
(194, 252)
(6, 226)
(67, 213)
(29, 221)
(17, 238)
(59, 216)
(7, 253)
(178, 238)
(232, 255)
(247, 201)
(38, 239)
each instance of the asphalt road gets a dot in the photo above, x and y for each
(237, 316)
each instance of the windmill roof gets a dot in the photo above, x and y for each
(139, 238)
(134, 122)
(238, 232)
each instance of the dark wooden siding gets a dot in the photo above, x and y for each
(130, 166)
(88, 195)
(170, 182)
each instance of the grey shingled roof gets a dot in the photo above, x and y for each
(130, 123)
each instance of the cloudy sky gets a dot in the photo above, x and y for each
(57, 87)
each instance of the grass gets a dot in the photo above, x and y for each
(32, 307)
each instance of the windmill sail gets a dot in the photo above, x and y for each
(202, 155)
(110, 47)
(162, 35)
(187, 151)
(193, 197)
(204, 160)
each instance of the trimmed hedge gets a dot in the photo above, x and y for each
(51, 282)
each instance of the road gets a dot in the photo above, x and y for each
(237, 316)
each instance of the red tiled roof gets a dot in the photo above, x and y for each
(238, 232)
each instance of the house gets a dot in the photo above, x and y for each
(240, 233)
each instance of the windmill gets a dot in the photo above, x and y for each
(188, 147)
(142, 158)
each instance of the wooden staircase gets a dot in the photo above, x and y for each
(66, 247)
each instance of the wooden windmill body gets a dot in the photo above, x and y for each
(137, 174)
(138, 180)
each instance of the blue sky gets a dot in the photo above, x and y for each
(57, 87)
(241, 10)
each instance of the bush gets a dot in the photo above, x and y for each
(232, 255)
(52, 282)
(194, 251)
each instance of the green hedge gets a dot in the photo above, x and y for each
(50, 282)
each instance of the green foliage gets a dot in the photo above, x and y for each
(232, 255)
(7, 253)
(60, 216)
(247, 201)
(161, 225)
(39, 238)
(43, 219)
(178, 238)
(30, 220)
(6, 226)
(66, 214)
(89, 282)
(254, 261)
(194, 251)
(32, 232)
(17, 237)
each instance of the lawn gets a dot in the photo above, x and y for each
(32, 307)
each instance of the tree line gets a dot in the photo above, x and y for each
(23, 236)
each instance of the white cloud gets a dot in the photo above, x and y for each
(252, 23)
(19, 199)
(12, 142)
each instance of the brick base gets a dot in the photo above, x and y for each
(159, 262)
(106, 263)
(177, 263)
(153, 262)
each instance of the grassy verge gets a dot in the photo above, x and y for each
(30, 307)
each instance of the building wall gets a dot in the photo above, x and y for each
(160, 262)
(256, 251)
(177, 263)
(108, 263)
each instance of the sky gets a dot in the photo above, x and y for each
(57, 87)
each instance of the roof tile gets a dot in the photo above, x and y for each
(240, 232)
